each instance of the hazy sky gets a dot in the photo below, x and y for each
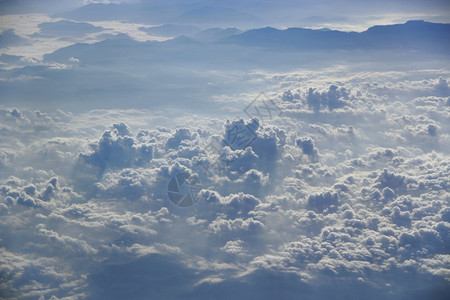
(349, 15)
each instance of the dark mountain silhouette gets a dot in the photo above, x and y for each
(413, 35)
(9, 39)
(214, 34)
(219, 45)
(172, 30)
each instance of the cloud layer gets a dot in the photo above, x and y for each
(316, 198)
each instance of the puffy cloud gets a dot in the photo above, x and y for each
(223, 226)
(392, 180)
(234, 247)
(240, 135)
(289, 96)
(84, 205)
(442, 88)
(323, 202)
(307, 146)
(334, 98)
(117, 149)
(180, 135)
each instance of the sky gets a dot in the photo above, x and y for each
(224, 149)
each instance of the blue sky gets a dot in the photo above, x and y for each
(224, 150)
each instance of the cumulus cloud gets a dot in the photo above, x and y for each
(307, 146)
(117, 149)
(324, 202)
(334, 98)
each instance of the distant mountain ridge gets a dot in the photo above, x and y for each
(412, 35)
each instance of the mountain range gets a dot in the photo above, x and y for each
(215, 44)
(413, 35)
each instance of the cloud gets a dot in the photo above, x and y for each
(333, 98)
(116, 149)
(172, 30)
(323, 202)
(352, 215)
(442, 89)
(307, 146)
(67, 28)
(391, 180)
(180, 135)
(66, 242)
